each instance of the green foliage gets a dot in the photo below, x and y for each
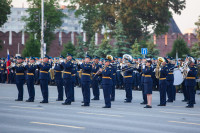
(137, 16)
(136, 49)
(80, 48)
(179, 46)
(198, 29)
(52, 19)
(152, 51)
(5, 6)
(120, 46)
(92, 47)
(68, 48)
(32, 47)
(195, 51)
(104, 48)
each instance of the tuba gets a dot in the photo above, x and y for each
(126, 58)
(157, 69)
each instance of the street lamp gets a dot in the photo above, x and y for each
(42, 49)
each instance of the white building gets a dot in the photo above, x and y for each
(14, 22)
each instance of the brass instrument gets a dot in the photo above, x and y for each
(126, 58)
(186, 66)
(157, 69)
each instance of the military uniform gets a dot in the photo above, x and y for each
(144, 96)
(95, 82)
(2, 72)
(114, 68)
(170, 79)
(190, 83)
(74, 71)
(107, 75)
(163, 85)
(30, 81)
(85, 82)
(59, 80)
(128, 81)
(20, 78)
(148, 82)
(44, 78)
(67, 76)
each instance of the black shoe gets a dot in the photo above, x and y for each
(112, 100)
(66, 103)
(189, 106)
(59, 99)
(95, 99)
(184, 100)
(73, 101)
(127, 101)
(161, 105)
(143, 103)
(82, 102)
(29, 100)
(85, 105)
(18, 100)
(44, 102)
(106, 107)
(147, 106)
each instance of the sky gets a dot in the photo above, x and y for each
(184, 21)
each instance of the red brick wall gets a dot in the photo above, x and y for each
(55, 48)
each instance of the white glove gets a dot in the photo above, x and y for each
(160, 69)
(143, 66)
(181, 69)
(24, 63)
(188, 69)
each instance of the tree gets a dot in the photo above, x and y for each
(152, 51)
(198, 29)
(195, 51)
(32, 47)
(5, 6)
(136, 49)
(52, 19)
(91, 47)
(80, 48)
(105, 47)
(137, 16)
(180, 47)
(68, 48)
(121, 46)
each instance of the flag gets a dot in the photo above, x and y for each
(8, 63)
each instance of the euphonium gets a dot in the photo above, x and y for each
(157, 69)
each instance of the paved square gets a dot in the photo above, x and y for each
(23, 117)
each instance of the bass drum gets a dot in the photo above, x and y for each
(178, 77)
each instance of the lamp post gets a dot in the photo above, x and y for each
(42, 29)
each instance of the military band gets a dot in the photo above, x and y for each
(111, 73)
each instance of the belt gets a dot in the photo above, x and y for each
(190, 78)
(127, 76)
(30, 74)
(142, 74)
(86, 74)
(58, 71)
(19, 73)
(94, 73)
(78, 71)
(147, 75)
(170, 73)
(162, 78)
(73, 74)
(106, 77)
(67, 72)
(43, 71)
